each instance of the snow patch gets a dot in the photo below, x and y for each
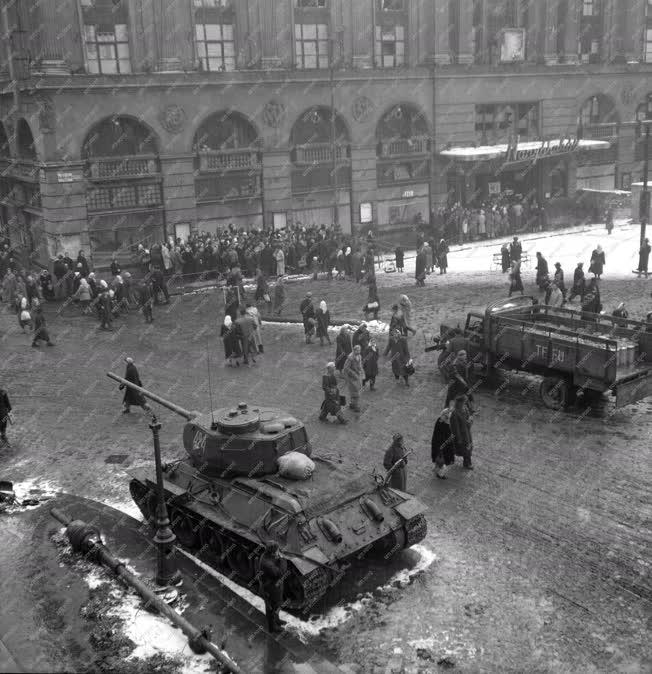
(42, 490)
(126, 507)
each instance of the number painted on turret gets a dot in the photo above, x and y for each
(199, 442)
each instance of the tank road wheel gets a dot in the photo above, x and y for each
(185, 529)
(241, 562)
(212, 544)
(390, 545)
(554, 393)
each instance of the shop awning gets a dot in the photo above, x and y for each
(524, 151)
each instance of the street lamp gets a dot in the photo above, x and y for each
(644, 203)
(167, 572)
(331, 67)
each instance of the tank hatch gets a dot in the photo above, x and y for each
(238, 420)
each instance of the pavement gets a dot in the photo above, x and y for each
(538, 560)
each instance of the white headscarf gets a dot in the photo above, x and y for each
(322, 306)
(227, 321)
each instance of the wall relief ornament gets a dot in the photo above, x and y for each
(172, 118)
(47, 116)
(273, 113)
(628, 94)
(361, 108)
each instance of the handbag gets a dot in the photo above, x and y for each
(409, 368)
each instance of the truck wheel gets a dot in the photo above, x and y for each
(555, 393)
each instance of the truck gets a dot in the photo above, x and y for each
(575, 352)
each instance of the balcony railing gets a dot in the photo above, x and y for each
(23, 169)
(600, 131)
(404, 146)
(110, 168)
(319, 153)
(320, 178)
(229, 160)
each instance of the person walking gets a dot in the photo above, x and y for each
(516, 283)
(307, 310)
(579, 283)
(644, 258)
(331, 404)
(104, 305)
(609, 220)
(83, 295)
(323, 320)
(515, 250)
(597, 262)
(5, 416)
(396, 458)
(253, 314)
(443, 444)
(397, 349)
(271, 572)
(146, 300)
(505, 261)
(353, 375)
(559, 279)
(262, 291)
(159, 285)
(460, 378)
(370, 364)
(442, 256)
(133, 397)
(399, 257)
(420, 268)
(542, 272)
(244, 329)
(343, 347)
(60, 270)
(279, 296)
(460, 422)
(373, 303)
(40, 328)
(232, 352)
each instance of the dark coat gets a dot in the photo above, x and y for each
(398, 479)
(271, 574)
(461, 429)
(400, 355)
(420, 269)
(331, 404)
(370, 362)
(5, 405)
(399, 257)
(40, 328)
(597, 262)
(343, 347)
(644, 257)
(442, 444)
(231, 342)
(132, 397)
(323, 321)
(542, 270)
(515, 251)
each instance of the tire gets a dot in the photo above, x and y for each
(555, 393)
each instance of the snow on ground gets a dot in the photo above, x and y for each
(335, 616)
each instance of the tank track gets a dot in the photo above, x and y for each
(313, 586)
(416, 530)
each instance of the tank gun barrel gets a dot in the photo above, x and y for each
(189, 416)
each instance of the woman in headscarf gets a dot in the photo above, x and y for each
(231, 342)
(343, 347)
(373, 303)
(397, 348)
(443, 444)
(397, 452)
(323, 318)
(262, 291)
(597, 262)
(252, 312)
(406, 307)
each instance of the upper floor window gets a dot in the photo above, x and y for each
(392, 5)
(588, 8)
(215, 46)
(311, 3)
(647, 53)
(224, 4)
(311, 45)
(591, 31)
(390, 46)
(496, 123)
(107, 51)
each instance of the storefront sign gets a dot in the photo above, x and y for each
(548, 148)
(366, 213)
(494, 188)
(68, 176)
(408, 194)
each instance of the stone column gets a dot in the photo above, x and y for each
(465, 54)
(178, 191)
(550, 55)
(364, 186)
(269, 27)
(634, 27)
(571, 32)
(421, 28)
(175, 38)
(56, 23)
(362, 33)
(615, 25)
(247, 35)
(277, 184)
(442, 33)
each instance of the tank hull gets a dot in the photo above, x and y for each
(316, 558)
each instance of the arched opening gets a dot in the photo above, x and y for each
(320, 152)
(124, 196)
(228, 172)
(596, 110)
(5, 149)
(25, 146)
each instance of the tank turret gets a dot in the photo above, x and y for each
(234, 441)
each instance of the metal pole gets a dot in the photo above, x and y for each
(644, 204)
(167, 572)
(86, 540)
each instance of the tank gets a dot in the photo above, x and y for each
(226, 500)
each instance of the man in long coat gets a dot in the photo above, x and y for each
(353, 374)
(307, 309)
(397, 452)
(271, 572)
(133, 397)
(644, 258)
(460, 421)
(5, 411)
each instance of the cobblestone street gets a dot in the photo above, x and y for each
(542, 553)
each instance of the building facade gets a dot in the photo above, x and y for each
(124, 121)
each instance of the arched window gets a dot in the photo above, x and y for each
(598, 109)
(119, 136)
(318, 141)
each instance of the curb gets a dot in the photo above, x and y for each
(297, 321)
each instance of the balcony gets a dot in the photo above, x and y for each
(22, 169)
(229, 160)
(401, 147)
(319, 153)
(113, 168)
(234, 187)
(403, 172)
(600, 131)
(320, 178)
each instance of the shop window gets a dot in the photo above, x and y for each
(215, 46)
(311, 45)
(390, 46)
(107, 49)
